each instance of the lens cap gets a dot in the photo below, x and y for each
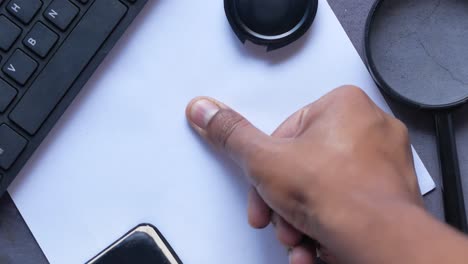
(270, 23)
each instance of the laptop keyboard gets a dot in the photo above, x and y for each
(48, 50)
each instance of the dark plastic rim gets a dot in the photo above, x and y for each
(272, 42)
(383, 86)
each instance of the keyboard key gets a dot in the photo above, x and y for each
(9, 32)
(20, 67)
(11, 146)
(7, 94)
(59, 74)
(40, 39)
(61, 13)
(24, 10)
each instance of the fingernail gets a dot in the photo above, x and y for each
(202, 112)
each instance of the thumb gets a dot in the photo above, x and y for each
(227, 129)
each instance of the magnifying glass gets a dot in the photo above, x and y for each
(417, 52)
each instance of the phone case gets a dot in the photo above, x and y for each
(142, 245)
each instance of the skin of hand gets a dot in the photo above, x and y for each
(338, 172)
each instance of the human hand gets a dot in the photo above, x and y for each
(326, 173)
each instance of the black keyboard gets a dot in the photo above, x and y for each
(48, 50)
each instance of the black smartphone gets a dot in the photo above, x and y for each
(142, 245)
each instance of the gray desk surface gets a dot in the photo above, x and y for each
(17, 245)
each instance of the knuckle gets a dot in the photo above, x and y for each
(300, 214)
(265, 165)
(401, 127)
(348, 95)
(224, 123)
(380, 118)
(401, 130)
(258, 167)
(351, 92)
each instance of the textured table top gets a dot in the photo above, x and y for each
(17, 245)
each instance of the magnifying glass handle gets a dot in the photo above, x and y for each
(454, 203)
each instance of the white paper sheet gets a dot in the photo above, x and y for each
(123, 153)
